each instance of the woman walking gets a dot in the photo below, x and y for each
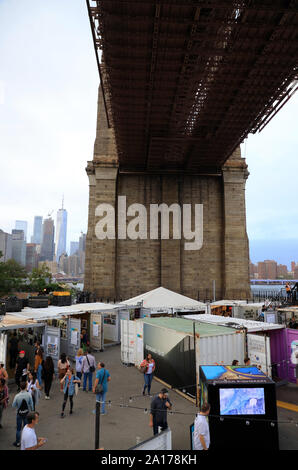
(148, 368)
(38, 364)
(33, 387)
(48, 374)
(79, 363)
(63, 366)
(68, 382)
(3, 373)
(3, 398)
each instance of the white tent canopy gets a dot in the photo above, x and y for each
(53, 311)
(251, 325)
(164, 298)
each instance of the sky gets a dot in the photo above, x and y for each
(48, 105)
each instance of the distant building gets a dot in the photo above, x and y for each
(61, 231)
(52, 265)
(296, 272)
(74, 247)
(47, 250)
(82, 253)
(267, 269)
(22, 225)
(37, 230)
(282, 271)
(19, 246)
(253, 270)
(31, 257)
(5, 246)
(293, 265)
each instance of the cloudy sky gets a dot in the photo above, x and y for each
(48, 94)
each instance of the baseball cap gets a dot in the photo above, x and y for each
(22, 352)
(164, 390)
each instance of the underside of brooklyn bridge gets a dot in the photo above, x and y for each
(182, 84)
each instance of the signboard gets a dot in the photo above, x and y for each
(74, 337)
(292, 342)
(3, 343)
(52, 343)
(258, 349)
(96, 334)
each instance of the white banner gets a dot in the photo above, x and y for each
(258, 348)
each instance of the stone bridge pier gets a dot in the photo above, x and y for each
(120, 267)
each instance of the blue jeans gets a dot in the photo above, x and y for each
(79, 375)
(148, 380)
(20, 420)
(87, 375)
(38, 374)
(102, 398)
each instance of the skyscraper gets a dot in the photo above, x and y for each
(37, 230)
(61, 232)
(19, 246)
(22, 225)
(5, 246)
(47, 245)
(74, 247)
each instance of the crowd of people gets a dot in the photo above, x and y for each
(32, 380)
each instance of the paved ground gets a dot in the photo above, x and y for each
(121, 427)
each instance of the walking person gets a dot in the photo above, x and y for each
(3, 373)
(68, 382)
(3, 398)
(22, 368)
(201, 429)
(33, 387)
(13, 350)
(24, 404)
(158, 414)
(38, 364)
(101, 385)
(29, 440)
(79, 363)
(48, 374)
(148, 368)
(63, 366)
(84, 340)
(88, 367)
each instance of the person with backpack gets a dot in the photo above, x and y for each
(101, 385)
(24, 404)
(88, 367)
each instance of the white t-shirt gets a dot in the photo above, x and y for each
(201, 428)
(28, 438)
(150, 367)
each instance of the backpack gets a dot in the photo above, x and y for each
(23, 410)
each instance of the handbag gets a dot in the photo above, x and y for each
(99, 387)
(91, 368)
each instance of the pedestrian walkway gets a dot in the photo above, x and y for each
(127, 418)
(119, 428)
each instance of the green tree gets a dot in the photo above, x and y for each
(40, 278)
(12, 276)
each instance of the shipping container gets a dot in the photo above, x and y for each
(265, 342)
(179, 347)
